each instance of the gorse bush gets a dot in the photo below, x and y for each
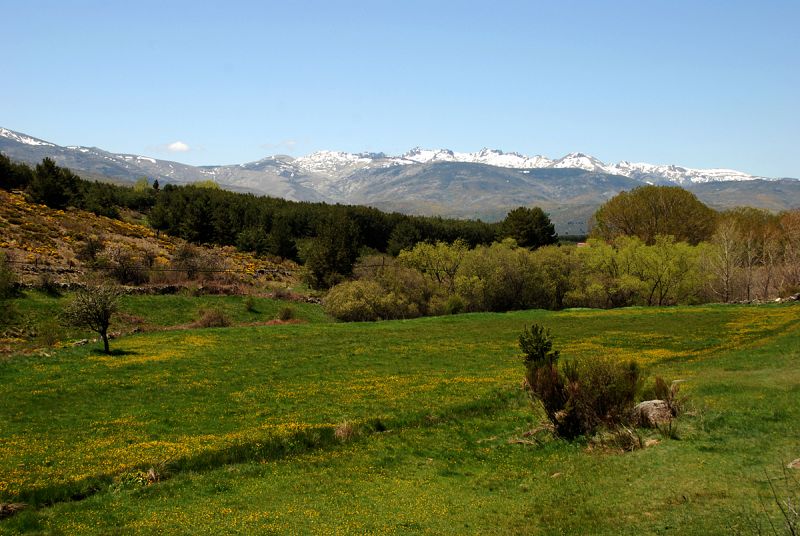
(579, 396)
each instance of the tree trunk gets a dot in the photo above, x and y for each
(104, 335)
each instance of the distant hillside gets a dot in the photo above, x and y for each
(38, 239)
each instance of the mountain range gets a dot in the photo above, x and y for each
(483, 184)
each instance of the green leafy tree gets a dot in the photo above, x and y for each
(530, 227)
(649, 211)
(507, 276)
(438, 261)
(141, 184)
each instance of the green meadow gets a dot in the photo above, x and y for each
(407, 427)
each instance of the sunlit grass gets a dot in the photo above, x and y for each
(254, 410)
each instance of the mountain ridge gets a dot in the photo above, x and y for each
(482, 184)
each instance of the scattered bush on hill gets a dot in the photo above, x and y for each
(8, 290)
(47, 284)
(578, 397)
(8, 279)
(286, 313)
(212, 318)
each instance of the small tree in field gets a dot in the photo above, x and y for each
(92, 307)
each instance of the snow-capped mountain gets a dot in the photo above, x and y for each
(485, 183)
(22, 138)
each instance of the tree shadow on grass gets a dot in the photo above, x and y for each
(115, 352)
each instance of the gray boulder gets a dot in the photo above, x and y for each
(652, 413)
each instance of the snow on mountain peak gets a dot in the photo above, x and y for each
(330, 161)
(22, 138)
(338, 165)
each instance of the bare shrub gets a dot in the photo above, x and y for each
(125, 267)
(8, 278)
(778, 515)
(195, 262)
(9, 509)
(345, 431)
(90, 249)
(282, 293)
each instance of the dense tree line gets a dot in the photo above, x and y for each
(58, 187)
(654, 245)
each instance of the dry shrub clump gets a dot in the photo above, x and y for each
(345, 431)
(286, 313)
(9, 509)
(212, 318)
(669, 393)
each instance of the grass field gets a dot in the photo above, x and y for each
(38, 322)
(241, 423)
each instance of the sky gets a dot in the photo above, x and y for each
(695, 83)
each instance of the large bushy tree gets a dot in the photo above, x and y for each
(650, 211)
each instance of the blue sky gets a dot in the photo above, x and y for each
(702, 84)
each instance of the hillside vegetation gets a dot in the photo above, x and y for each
(67, 243)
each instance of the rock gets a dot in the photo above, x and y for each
(81, 342)
(795, 464)
(652, 413)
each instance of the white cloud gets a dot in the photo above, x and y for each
(177, 147)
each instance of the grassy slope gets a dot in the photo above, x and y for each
(263, 396)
